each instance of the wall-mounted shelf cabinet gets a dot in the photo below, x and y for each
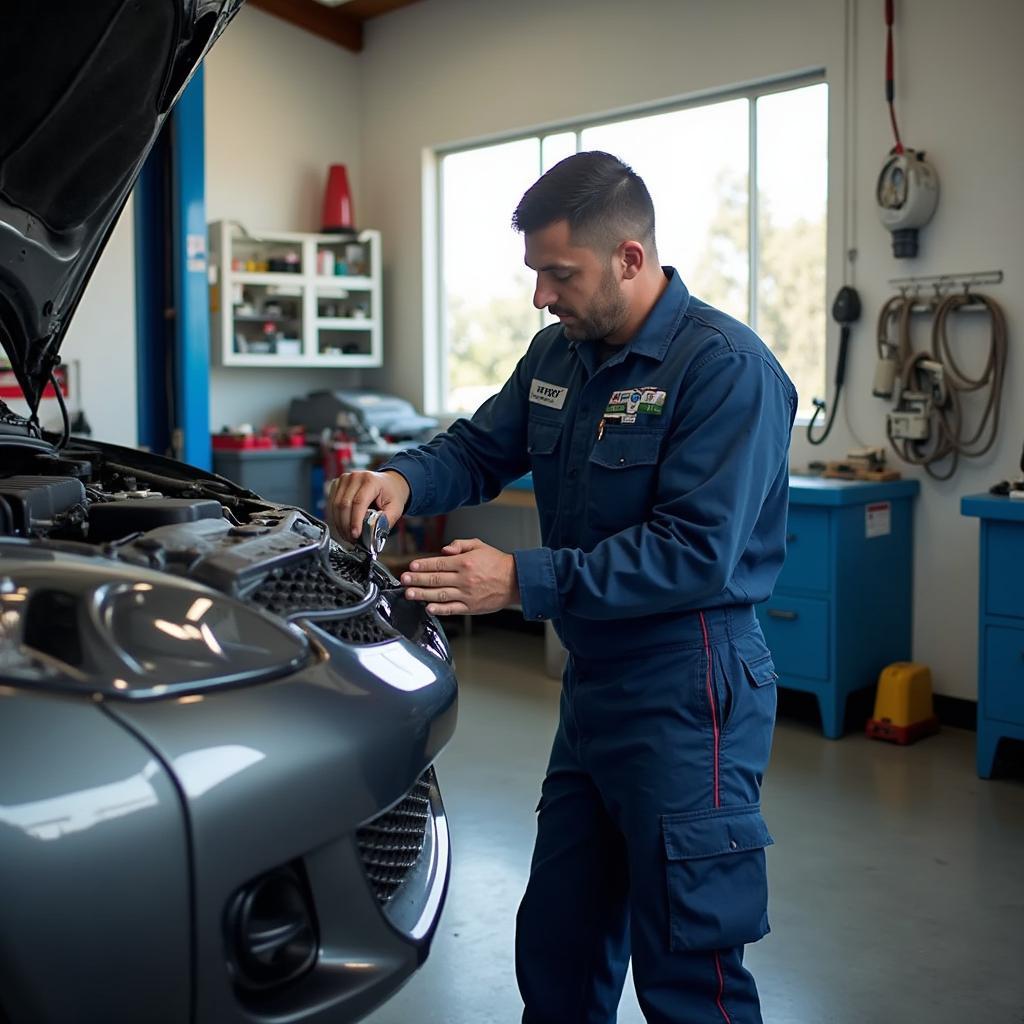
(288, 299)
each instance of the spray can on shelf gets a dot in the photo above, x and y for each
(325, 263)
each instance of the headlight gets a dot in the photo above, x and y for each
(125, 633)
(173, 639)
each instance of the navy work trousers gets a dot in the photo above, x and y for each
(650, 840)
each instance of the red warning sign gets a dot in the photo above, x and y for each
(10, 388)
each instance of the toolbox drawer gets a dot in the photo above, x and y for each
(1003, 679)
(1004, 592)
(796, 630)
(807, 550)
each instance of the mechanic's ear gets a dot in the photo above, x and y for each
(631, 256)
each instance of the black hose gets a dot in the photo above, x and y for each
(819, 405)
(367, 604)
(339, 581)
(66, 436)
(845, 311)
(197, 486)
(6, 518)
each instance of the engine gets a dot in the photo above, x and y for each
(61, 506)
(103, 496)
(30, 505)
(192, 524)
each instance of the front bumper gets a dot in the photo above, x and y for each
(328, 764)
(372, 937)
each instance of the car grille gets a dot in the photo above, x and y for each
(306, 587)
(391, 844)
(348, 568)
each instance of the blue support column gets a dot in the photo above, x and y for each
(191, 283)
(171, 288)
(154, 339)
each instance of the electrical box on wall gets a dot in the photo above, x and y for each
(907, 194)
(908, 186)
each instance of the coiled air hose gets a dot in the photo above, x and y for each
(895, 313)
(949, 442)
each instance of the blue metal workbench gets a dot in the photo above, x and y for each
(843, 605)
(1000, 624)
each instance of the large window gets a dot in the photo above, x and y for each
(739, 189)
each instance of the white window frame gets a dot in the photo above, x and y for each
(435, 348)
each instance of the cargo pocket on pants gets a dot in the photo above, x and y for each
(717, 878)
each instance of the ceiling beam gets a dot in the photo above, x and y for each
(329, 23)
(363, 10)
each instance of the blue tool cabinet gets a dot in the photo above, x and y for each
(1000, 625)
(843, 606)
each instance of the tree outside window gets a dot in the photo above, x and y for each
(698, 163)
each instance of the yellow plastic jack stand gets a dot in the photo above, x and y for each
(903, 704)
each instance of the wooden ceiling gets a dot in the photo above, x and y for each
(342, 24)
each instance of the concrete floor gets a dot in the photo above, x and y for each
(897, 878)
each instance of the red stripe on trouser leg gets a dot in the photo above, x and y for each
(712, 702)
(721, 989)
(714, 725)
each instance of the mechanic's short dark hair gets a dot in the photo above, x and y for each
(604, 200)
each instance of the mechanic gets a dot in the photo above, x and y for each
(657, 429)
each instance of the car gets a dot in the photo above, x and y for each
(218, 725)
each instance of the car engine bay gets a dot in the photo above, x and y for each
(91, 498)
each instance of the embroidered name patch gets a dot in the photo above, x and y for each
(628, 403)
(547, 394)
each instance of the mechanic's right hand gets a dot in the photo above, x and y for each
(352, 494)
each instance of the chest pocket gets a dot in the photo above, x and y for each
(623, 477)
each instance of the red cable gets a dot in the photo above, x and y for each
(890, 88)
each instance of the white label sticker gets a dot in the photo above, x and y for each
(547, 394)
(878, 519)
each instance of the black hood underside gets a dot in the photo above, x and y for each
(85, 88)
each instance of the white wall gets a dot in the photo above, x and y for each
(102, 339)
(959, 83)
(100, 346)
(453, 70)
(281, 106)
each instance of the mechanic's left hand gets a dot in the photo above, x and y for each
(472, 579)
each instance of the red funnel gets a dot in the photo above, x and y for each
(337, 214)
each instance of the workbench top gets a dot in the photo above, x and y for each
(816, 490)
(992, 506)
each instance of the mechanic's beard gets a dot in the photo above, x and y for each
(608, 312)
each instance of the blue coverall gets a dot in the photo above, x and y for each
(661, 479)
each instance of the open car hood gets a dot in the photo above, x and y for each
(85, 88)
